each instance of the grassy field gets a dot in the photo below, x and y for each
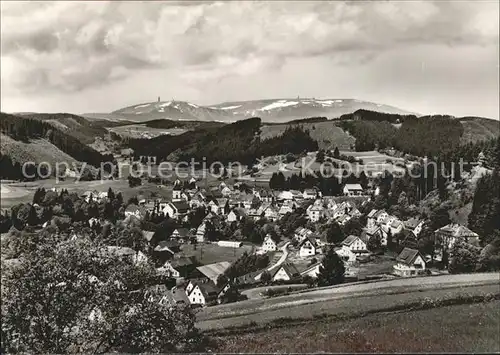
(37, 150)
(347, 299)
(212, 253)
(460, 328)
(20, 192)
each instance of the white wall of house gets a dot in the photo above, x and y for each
(269, 245)
(416, 268)
(281, 275)
(307, 249)
(196, 296)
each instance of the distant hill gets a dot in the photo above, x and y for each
(270, 110)
(327, 133)
(81, 128)
(236, 142)
(56, 131)
(479, 128)
(474, 128)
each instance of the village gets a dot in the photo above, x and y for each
(202, 260)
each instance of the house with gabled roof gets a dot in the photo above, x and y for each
(309, 194)
(166, 249)
(236, 214)
(409, 263)
(307, 247)
(263, 195)
(285, 272)
(312, 270)
(177, 192)
(200, 232)
(301, 233)
(414, 225)
(315, 212)
(453, 232)
(269, 244)
(176, 210)
(137, 211)
(181, 235)
(354, 244)
(352, 190)
(213, 271)
(178, 267)
(206, 293)
(271, 213)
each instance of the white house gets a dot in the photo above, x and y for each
(204, 293)
(226, 191)
(409, 263)
(346, 254)
(269, 244)
(307, 247)
(178, 267)
(200, 232)
(354, 244)
(453, 232)
(177, 193)
(214, 207)
(229, 243)
(235, 215)
(271, 213)
(176, 209)
(352, 190)
(315, 212)
(285, 272)
(309, 194)
(396, 226)
(376, 217)
(312, 270)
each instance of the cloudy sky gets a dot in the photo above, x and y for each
(425, 57)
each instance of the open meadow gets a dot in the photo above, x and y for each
(458, 328)
(212, 253)
(142, 131)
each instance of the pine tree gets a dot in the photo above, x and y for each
(336, 153)
(332, 269)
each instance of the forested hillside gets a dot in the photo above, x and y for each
(25, 129)
(370, 135)
(427, 135)
(239, 141)
(368, 115)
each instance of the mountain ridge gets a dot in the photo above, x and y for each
(269, 110)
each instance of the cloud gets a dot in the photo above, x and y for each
(70, 46)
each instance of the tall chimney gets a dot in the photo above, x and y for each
(158, 99)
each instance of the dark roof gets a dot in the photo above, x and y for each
(349, 240)
(183, 232)
(167, 245)
(208, 289)
(182, 261)
(311, 240)
(214, 194)
(181, 206)
(289, 268)
(411, 223)
(240, 212)
(248, 278)
(407, 256)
